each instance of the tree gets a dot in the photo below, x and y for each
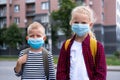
(2, 36)
(13, 36)
(61, 18)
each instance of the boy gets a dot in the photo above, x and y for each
(30, 64)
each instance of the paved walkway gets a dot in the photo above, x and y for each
(7, 73)
(109, 68)
(113, 68)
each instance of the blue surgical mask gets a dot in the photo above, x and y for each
(35, 43)
(80, 29)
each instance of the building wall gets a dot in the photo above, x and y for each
(8, 14)
(118, 23)
(105, 10)
(110, 12)
(38, 6)
(105, 26)
(22, 14)
(96, 5)
(110, 38)
(11, 14)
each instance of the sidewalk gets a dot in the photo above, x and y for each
(109, 68)
(113, 68)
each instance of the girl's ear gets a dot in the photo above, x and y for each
(91, 25)
(44, 38)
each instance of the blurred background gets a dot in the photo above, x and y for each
(16, 15)
(54, 15)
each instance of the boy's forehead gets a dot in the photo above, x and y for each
(36, 30)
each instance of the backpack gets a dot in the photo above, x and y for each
(45, 60)
(93, 46)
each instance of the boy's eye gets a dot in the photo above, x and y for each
(38, 35)
(35, 36)
(31, 36)
(83, 22)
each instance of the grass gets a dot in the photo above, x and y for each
(111, 60)
(55, 59)
(8, 58)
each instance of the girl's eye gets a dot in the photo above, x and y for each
(76, 22)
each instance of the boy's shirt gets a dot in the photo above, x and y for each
(34, 69)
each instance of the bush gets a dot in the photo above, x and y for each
(117, 54)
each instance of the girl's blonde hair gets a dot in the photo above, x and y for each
(36, 25)
(87, 11)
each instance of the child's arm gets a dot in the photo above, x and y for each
(21, 60)
(101, 67)
(62, 65)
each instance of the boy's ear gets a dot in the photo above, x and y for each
(26, 37)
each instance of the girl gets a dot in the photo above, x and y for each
(76, 62)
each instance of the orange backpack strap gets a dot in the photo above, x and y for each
(93, 47)
(67, 43)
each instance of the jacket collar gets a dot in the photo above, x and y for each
(86, 41)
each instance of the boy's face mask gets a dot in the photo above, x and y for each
(35, 43)
(80, 29)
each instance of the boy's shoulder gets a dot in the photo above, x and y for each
(26, 51)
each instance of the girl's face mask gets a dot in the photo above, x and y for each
(80, 29)
(35, 43)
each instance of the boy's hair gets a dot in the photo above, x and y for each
(87, 11)
(36, 25)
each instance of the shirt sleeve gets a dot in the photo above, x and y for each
(100, 61)
(62, 65)
(20, 73)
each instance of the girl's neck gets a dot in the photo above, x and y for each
(80, 38)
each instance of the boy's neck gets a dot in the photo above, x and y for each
(36, 50)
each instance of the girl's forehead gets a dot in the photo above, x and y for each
(80, 17)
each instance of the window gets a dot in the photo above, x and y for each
(103, 17)
(2, 23)
(102, 3)
(44, 19)
(17, 20)
(16, 8)
(45, 5)
(2, 11)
